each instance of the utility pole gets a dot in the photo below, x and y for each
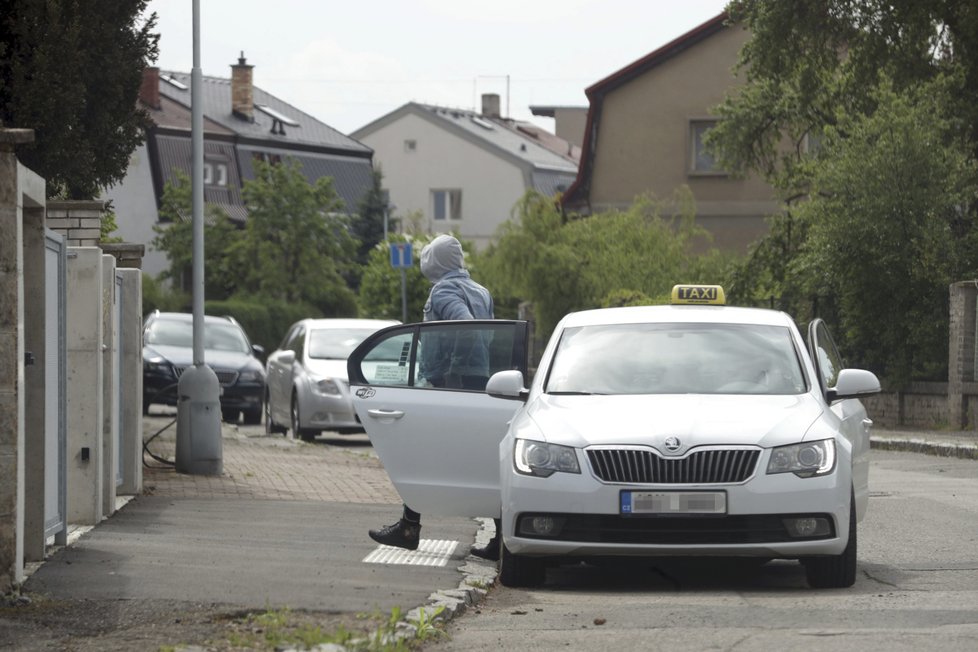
(199, 445)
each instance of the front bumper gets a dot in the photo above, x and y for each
(329, 411)
(242, 396)
(160, 387)
(587, 512)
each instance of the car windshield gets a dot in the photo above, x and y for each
(335, 343)
(676, 359)
(217, 336)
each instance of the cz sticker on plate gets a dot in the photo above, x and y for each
(673, 502)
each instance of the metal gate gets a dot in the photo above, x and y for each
(55, 404)
(119, 382)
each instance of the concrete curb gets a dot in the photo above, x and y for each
(926, 446)
(478, 576)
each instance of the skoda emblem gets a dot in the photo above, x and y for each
(673, 444)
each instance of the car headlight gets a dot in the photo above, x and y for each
(543, 459)
(250, 376)
(806, 460)
(327, 386)
(157, 363)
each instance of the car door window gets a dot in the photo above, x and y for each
(298, 343)
(828, 362)
(451, 355)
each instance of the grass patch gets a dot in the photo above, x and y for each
(376, 632)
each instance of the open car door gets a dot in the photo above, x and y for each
(438, 437)
(855, 423)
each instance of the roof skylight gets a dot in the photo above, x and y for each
(173, 82)
(485, 124)
(275, 115)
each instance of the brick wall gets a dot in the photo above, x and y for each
(79, 222)
(923, 405)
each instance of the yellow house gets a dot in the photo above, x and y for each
(644, 133)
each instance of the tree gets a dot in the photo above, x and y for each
(810, 62)
(296, 243)
(837, 95)
(368, 224)
(380, 287)
(71, 70)
(174, 236)
(886, 191)
(599, 260)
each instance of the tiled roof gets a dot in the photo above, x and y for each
(173, 115)
(352, 177)
(503, 135)
(216, 93)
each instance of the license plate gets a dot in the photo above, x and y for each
(673, 502)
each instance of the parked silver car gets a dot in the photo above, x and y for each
(306, 384)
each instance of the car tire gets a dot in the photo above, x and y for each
(272, 428)
(253, 417)
(305, 434)
(146, 404)
(231, 416)
(835, 571)
(518, 571)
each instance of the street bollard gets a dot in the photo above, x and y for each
(199, 446)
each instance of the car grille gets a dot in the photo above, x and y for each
(225, 378)
(644, 466)
(673, 530)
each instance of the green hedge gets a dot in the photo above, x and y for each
(265, 321)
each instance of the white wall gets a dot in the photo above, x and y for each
(134, 203)
(490, 185)
(84, 383)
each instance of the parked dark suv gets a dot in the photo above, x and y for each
(168, 350)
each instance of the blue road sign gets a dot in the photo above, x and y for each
(401, 255)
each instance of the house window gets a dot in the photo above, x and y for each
(410, 145)
(274, 159)
(447, 204)
(215, 173)
(701, 161)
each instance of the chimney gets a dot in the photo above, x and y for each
(242, 92)
(490, 105)
(149, 91)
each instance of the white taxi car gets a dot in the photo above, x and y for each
(688, 429)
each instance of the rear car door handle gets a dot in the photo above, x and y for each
(385, 414)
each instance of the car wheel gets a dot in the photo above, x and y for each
(272, 428)
(231, 416)
(252, 417)
(305, 434)
(520, 571)
(146, 404)
(835, 571)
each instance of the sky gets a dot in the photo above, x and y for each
(349, 63)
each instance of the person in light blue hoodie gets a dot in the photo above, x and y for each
(446, 360)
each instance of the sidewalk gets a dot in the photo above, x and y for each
(283, 529)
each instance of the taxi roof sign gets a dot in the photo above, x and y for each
(698, 295)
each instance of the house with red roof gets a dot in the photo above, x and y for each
(644, 134)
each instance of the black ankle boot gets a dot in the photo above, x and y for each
(403, 534)
(490, 551)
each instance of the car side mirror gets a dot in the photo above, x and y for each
(258, 350)
(853, 383)
(286, 357)
(507, 384)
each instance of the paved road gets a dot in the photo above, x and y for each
(917, 588)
